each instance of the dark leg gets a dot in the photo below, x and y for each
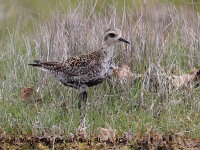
(82, 97)
(85, 97)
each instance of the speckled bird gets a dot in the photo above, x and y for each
(82, 72)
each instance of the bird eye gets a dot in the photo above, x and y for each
(112, 35)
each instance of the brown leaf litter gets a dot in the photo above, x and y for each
(103, 138)
(183, 80)
(30, 95)
(186, 80)
(103, 134)
(125, 73)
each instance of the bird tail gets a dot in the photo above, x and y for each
(37, 63)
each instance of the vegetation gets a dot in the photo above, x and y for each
(164, 40)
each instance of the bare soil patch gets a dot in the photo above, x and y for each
(128, 141)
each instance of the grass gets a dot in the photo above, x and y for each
(160, 34)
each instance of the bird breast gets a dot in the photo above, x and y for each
(106, 69)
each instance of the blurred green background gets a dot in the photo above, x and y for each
(14, 12)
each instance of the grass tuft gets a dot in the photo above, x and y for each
(164, 39)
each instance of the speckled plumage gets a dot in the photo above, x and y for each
(78, 70)
(84, 71)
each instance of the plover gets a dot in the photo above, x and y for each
(82, 72)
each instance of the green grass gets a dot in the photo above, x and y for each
(166, 36)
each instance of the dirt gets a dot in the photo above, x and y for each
(134, 141)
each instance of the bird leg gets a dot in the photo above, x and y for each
(85, 96)
(82, 97)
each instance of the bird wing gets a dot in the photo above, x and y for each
(73, 67)
(83, 64)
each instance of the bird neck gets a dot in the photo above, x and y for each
(108, 52)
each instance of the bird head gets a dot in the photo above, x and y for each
(113, 35)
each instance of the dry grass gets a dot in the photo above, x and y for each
(164, 42)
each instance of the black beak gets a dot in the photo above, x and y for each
(123, 40)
